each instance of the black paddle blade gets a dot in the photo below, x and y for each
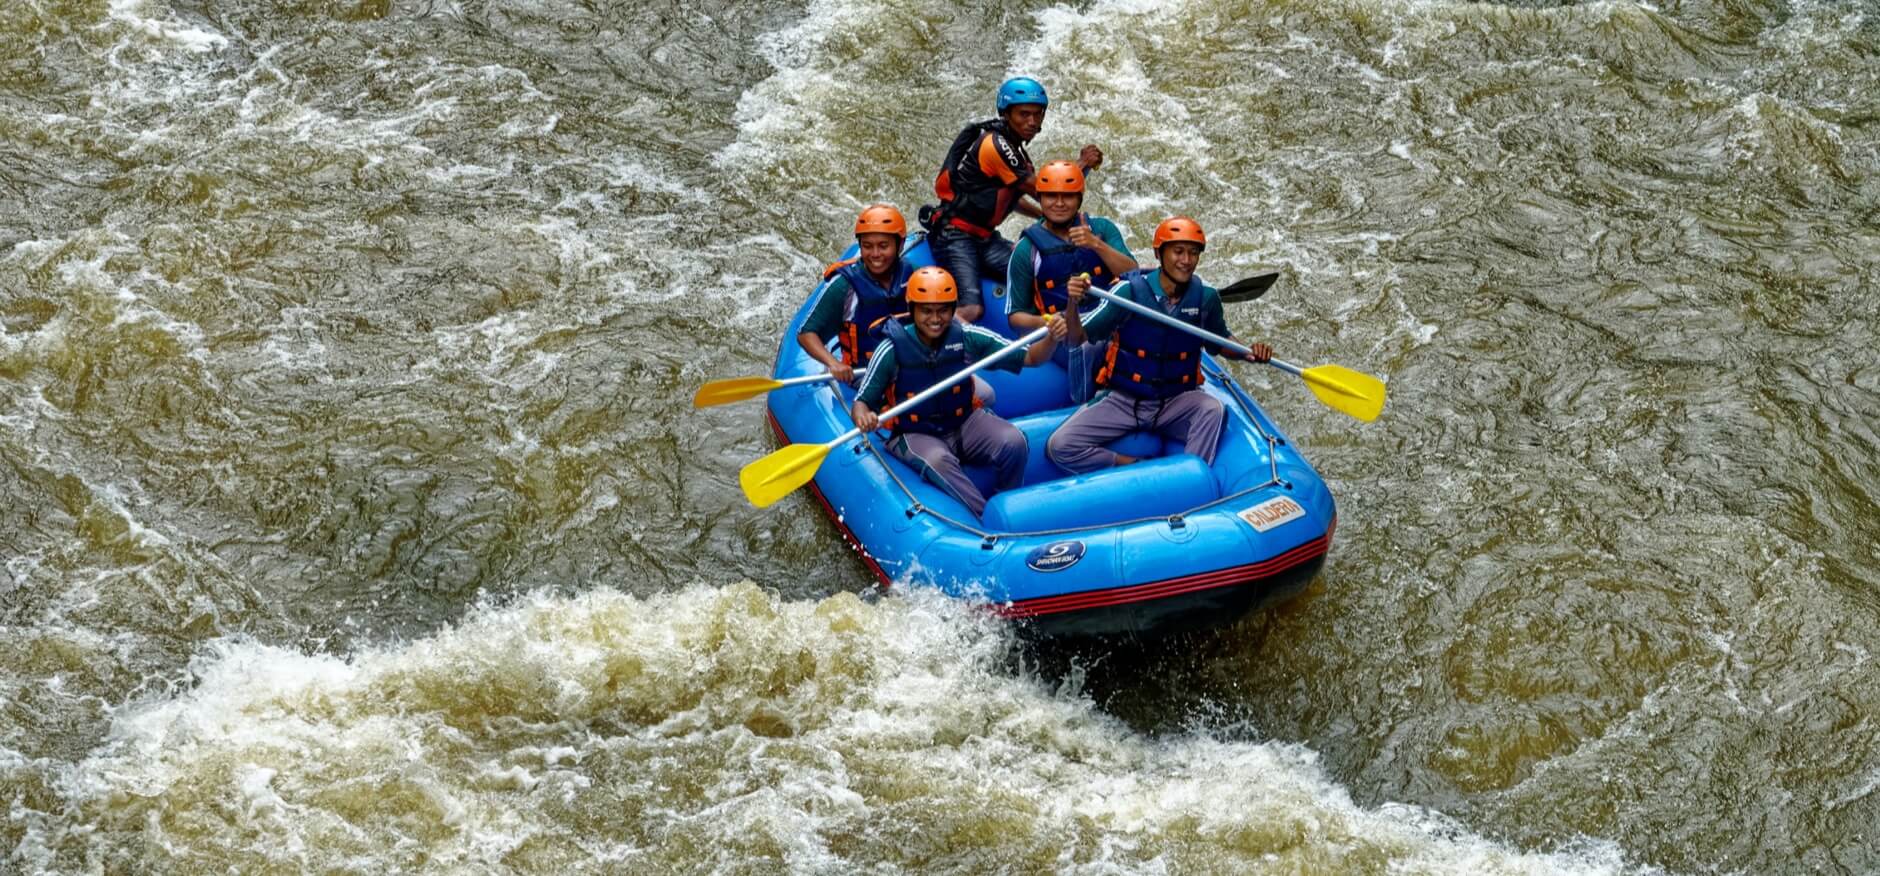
(1249, 289)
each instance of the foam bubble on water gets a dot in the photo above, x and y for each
(1111, 92)
(759, 295)
(190, 38)
(737, 726)
(1867, 785)
(578, 251)
(293, 343)
(789, 110)
(625, 172)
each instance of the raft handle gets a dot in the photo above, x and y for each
(1176, 522)
(913, 510)
(986, 543)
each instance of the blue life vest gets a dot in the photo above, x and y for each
(868, 308)
(917, 367)
(1148, 359)
(1058, 262)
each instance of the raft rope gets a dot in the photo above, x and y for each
(915, 506)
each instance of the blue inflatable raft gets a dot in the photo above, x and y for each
(1165, 544)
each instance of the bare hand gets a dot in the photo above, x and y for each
(1059, 328)
(1075, 289)
(841, 371)
(1082, 237)
(1090, 157)
(1259, 353)
(865, 419)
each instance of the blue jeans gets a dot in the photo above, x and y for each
(970, 259)
(1081, 362)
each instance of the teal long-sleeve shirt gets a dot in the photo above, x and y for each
(825, 319)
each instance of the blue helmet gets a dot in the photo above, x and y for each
(1021, 89)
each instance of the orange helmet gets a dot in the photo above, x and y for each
(1178, 228)
(932, 285)
(1061, 176)
(881, 219)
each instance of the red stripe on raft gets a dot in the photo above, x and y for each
(1099, 598)
(1171, 587)
(830, 510)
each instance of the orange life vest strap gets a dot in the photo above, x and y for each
(832, 269)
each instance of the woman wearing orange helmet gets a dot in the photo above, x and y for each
(859, 294)
(1151, 371)
(1064, 243)
(923, 349)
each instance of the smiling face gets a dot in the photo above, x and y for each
(1025, 120)
(1060, 208)
(931, 320)
(1179, 258)
(878, 251)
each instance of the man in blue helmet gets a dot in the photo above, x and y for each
(986, 175)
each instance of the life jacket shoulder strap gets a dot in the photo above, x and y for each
(1139, 284)
(837, 267)
(1044, 241)
(962, 143)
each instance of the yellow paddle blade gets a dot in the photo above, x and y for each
(779, 474)
(720, 392)
(1352, 392)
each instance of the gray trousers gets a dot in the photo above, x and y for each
(984, 439)
(1194, 417)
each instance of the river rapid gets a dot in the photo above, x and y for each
(354, 517)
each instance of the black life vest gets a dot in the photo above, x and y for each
(1058, 262)
(1148, 359)
(969, 199)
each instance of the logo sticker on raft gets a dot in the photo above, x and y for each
(1271, 513)
(1056, 556)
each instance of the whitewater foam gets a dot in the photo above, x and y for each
(710, 728)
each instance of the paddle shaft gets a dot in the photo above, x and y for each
(962, 374)
(807, 378)
(1195, 330)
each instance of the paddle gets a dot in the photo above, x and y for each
(1249, 288)
(719, 392)
(779, 474)
(1341, 389)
